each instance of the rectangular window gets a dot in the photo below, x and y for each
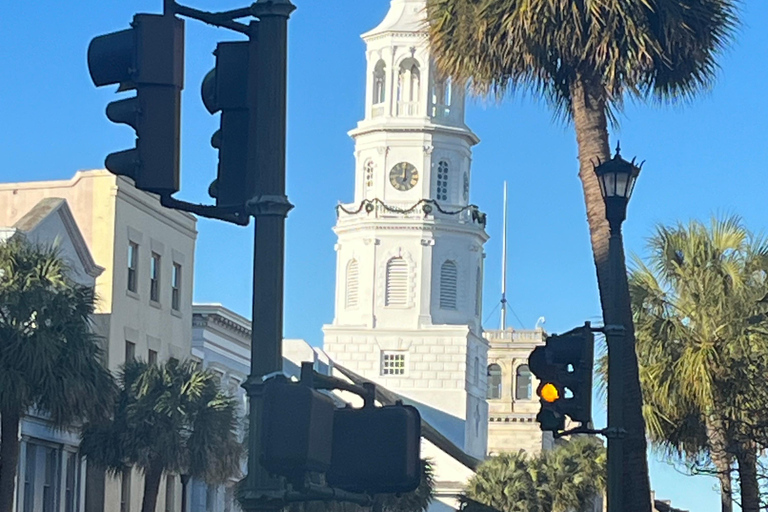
(154, 278)
(176, 287)
(70, 493)
(29, 478)
(170, 493)
(51, 478)
(125, 490)
(152, 357)
(130, 351)
(133, 266)
(393, 363)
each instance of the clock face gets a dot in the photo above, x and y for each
(403, 176)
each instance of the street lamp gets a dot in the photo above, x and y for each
(617, 179)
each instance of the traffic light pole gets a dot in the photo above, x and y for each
(266, 165)
(615, 339)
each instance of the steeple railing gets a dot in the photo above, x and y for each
(425, 209)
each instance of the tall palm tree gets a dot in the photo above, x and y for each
(167, 418)
(568, 478)
(584, 58)
(696, 301)
(49, 357)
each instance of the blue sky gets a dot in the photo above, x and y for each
(708, 156)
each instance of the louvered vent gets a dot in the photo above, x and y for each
(397, 282)
(448, 274)
(352, 284)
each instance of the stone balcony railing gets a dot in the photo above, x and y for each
(514, 336)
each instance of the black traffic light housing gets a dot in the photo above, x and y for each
(225, 90)
(148, 57)
(563, 366)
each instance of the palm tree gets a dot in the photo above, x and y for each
(696, 304)
(167, 418)
(568, 478)
(49, 357)
(414, 501)
(584, 58)
(505, 483)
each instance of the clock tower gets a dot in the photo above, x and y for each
(410, 245)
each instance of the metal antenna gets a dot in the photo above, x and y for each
(504, 264)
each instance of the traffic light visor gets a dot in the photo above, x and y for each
(549, 392)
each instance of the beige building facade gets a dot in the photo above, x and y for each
(512, 400)
(144, 294)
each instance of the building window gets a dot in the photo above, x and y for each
(369, 166)
(133, 266)
(29, 478)
(130, 351)
(494, 382)
(176, 287)
(125, 490)
(51, 479)
(441, 191)
(476, 371)
(448, 277)
(466, 187)
(379, 82)
(393, 363)
(152, 357)
(170, 493)
(70, 489)
(396, 293)
(352, 284)
(154, 278)
(523, 385)
(408, 88)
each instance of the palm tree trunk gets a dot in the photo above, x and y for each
(722, 462)
(152, 479)
(590, 121)
(9, 456)
(750, 490)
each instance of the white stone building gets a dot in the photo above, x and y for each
(144, 307)
(50, 474)
(410, 245)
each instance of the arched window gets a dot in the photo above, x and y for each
(494, 381)
(442, 92)
(379, 82)
(408, 87)
(448, 276)
(479, 292)
(441, 188)
(397, 282)
(523, 384)
(369, 165)
(352, 284)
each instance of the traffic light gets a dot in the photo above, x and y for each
(563, 366)
(376, 449)
(148, 57)
(225, 90)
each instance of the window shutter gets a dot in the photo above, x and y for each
(397, 282)
(448, 275)
(352, 284)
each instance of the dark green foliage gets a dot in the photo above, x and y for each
(568, 478)
(172, 417)
(49, 357)
(415, 501)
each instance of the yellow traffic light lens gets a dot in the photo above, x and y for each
(549, 393)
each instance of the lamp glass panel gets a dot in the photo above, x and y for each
(609, 183)
(621, 184)
(632, 183)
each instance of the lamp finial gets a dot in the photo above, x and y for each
(618, 148)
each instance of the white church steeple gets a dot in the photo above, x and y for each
(410, 244)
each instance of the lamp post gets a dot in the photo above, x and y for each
(617, 179)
